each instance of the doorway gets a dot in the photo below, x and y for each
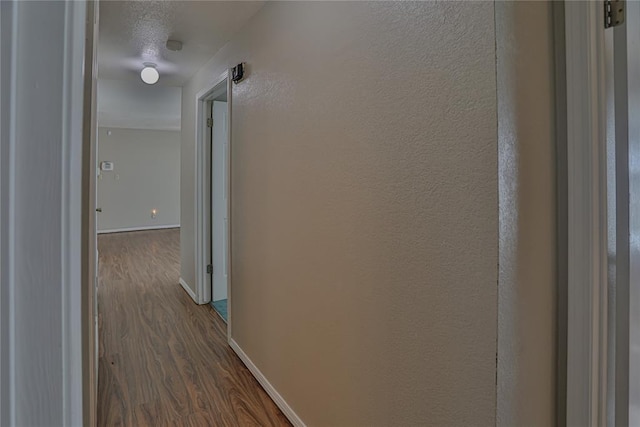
(213, 198)
(603, 223)
(217, 124)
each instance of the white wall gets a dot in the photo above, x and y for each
(134, 104)
(146, 176)
(40, 213)
(144, 121)
(364, 208)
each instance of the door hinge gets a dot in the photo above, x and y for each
(209, 122)
(209, 269)
(613, 13)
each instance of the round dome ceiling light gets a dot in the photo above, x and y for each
(149, 74)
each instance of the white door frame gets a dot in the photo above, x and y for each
(59, 398)
(587, 341)
(89, 221)
(203, 191)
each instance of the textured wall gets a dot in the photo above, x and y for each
(364, 208)
(527, 283)
(146, 176)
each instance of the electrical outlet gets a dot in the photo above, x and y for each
(154, 212)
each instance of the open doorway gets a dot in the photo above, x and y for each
(603, 214)
(162, 358)
(213, 201)
(218, 126)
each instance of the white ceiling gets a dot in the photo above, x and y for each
(133, 32)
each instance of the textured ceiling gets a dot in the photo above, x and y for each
(133, 32)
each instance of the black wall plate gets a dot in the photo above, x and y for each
(237, 73)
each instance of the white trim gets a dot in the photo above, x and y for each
(71, 211)
(266, 385)
(187, 288)
(143, 228)
(587, 216)
(202, 249)
(229, 219)
(64, 310)
(624, 77)
(8, 73)
(8, 76)
(89, 217)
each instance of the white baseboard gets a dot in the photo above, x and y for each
(148, 227)
(271, 391)
(188, 289)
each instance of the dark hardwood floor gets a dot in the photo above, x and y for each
(163, 360)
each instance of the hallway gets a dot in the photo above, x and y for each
(164, 361)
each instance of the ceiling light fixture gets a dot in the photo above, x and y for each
(149, 74)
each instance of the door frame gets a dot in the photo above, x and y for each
(203, 190)
(21, 396)
(583, 192)
(586, 311)
(90, 348)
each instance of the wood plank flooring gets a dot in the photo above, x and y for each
(163, 360)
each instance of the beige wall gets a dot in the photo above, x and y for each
(527, 282)
(364, 208)
(146, 176)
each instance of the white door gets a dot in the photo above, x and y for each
(219, 220)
